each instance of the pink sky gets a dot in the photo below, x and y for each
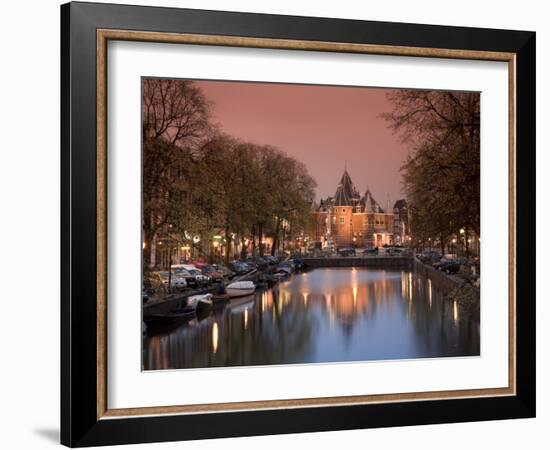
(327, 128)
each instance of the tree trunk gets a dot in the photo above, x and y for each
(211, 252)
(147, 240)
(146, 252)
(276, 237)
(243, 248)
(442, 243)
(227, 245)
(253, 240)
(261, 238)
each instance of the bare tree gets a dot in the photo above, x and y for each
(175, 121)
(441, 174)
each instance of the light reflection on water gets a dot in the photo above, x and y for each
(326, 315)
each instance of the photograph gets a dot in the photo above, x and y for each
(305, 224)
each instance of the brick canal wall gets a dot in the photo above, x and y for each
(440, 280)
(377, 262)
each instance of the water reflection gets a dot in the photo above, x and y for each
(326, 315)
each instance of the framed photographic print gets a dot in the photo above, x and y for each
(276, 224)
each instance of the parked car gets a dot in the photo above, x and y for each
(271, 260)
(429, 257)
(212, 272)
(441, 263)
(450, 265)
(371, 251)
(258, 262)
(177, 281)
(239, 267)
(193, 273)
(347, 251)
(298, 264)
(394, 251)
(201, 278)
(190, 279)
(455, 265)
(224, 270)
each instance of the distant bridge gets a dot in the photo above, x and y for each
(379, 262)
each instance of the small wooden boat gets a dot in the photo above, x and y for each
(240, 289)
(202, 302)
(170, 318)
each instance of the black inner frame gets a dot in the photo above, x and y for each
(79, 424)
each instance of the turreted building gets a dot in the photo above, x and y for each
(351, 219)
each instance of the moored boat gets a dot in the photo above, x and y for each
(170, 318)
(282, 274)
(200, 302)
(240, 289)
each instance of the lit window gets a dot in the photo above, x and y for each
(342, 220)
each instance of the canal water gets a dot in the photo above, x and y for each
(325, 315)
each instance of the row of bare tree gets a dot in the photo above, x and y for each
(198, 181)
(441, 176)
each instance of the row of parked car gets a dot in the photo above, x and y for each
(200, 274)
(183, 276)
(385, 250)
(449, 263)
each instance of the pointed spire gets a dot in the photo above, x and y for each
(371, 205)
(346, 193)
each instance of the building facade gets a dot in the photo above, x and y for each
(351, 219)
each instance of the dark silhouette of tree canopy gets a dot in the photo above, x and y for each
(197, 179)
(441, 174)
(256, 187)
(175, 122)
